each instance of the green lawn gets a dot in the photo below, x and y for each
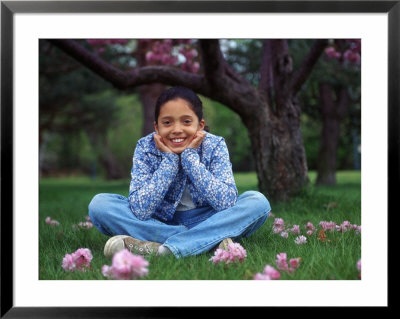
(66, 200)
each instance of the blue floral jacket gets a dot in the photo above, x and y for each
(159, 179)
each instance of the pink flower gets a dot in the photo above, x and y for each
(68, 263)
(259, 276)
(281, 261)
(126, 265)
(220, 255)
(300, 240)
(235, 253)
(82, 258)
(282, 264)
(359, 265)
(278, 226)
(284, 234)
(51, 222)
(106, 271)
(79, 260)
(295, 229)
(85, 225)
(310, 228)
(294, 262)
(352, 56)
(270, 273)
(328, 225)
(332, 53)
(345, 226)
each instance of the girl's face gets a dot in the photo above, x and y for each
(177, 124)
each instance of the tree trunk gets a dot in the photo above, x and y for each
(279, 154)
(333, 111)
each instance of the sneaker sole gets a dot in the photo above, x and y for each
(114, 244)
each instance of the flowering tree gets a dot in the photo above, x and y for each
(271, 111)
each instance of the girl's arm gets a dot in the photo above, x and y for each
(216, 184)
(148, 186)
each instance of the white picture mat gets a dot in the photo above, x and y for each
(370, 291)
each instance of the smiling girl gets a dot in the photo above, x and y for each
(182, 196)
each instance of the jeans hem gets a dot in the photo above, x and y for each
(174, 250)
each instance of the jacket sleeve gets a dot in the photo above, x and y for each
(149, 185)
(217, 185)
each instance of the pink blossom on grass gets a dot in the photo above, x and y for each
(51, 222)
(235, 253)
(300, 240)
(281, 261)
(106, 271)
(294, 262)
(79, 260)
(68, 263)
(359, 268)
(86, 225)
(282, 264)
(126, 265)
(278, 226)
(270, 273)
(82, 258)
(344, 227)
(284, 234)
(310, 228)
(327, 225)
(295, 229)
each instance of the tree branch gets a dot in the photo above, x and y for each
(138, 76)
(301, 75)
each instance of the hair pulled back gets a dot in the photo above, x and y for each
(184, 93)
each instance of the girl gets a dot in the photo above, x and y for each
(182, 196)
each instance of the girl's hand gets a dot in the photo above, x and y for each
(160, 144)
(197, 139)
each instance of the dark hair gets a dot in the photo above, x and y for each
(184, 93)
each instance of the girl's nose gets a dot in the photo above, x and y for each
(177, 128)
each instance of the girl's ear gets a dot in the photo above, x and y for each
(202, 124)
(155, 126)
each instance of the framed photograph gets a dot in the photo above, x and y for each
(25, 23)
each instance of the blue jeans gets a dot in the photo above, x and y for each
(191, 232)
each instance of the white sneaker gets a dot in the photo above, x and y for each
(136, 246)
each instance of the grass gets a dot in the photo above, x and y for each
(66, 200)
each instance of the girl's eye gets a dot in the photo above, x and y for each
(166, 122)
(187, 121)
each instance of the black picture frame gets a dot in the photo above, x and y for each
(9, 8)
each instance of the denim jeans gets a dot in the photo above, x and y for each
(191, 232)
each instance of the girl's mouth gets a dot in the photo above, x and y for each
(177, 141)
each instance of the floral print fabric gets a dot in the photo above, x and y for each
(159, 179)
